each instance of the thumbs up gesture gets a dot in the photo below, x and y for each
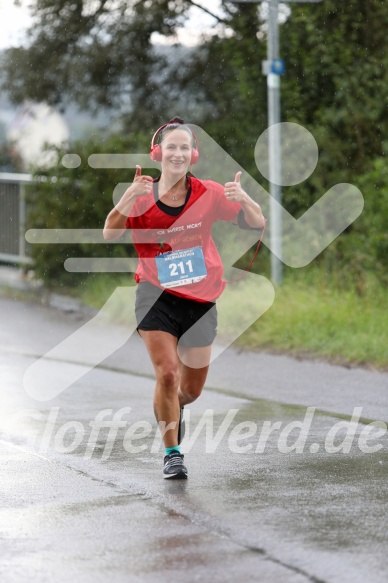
(234, 190)
(142, 184)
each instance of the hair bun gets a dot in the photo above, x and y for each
(176, 119)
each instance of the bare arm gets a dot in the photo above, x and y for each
(115, 221)
(252, 211)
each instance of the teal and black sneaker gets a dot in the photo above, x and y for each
(174, 468)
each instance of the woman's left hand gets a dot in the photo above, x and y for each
(234, 190)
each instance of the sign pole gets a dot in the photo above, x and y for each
(274, 143)
(274, 68)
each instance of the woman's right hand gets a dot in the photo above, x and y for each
(141, 185)
(116, 220)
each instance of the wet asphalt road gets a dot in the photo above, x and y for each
(266, 501)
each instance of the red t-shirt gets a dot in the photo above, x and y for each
(154, 231)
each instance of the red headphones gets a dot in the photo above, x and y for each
(156, 150)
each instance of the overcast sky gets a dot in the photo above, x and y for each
(13, 22)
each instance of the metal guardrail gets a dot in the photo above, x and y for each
(13, 248)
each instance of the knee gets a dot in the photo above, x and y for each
(168, 377)
(191, 392)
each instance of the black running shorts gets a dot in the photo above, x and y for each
(193, 323)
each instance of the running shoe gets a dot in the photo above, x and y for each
(174, 468)
(181, 426)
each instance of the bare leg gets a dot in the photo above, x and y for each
(162, 348)
(177, 384)
(192, 378)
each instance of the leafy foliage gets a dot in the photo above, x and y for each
(76, 198)
(336, 82)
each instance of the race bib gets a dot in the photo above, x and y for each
(181, 267)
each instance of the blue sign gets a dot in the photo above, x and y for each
(278, 66)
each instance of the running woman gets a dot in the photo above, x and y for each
(180, 273)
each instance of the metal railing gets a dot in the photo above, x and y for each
(13, 248)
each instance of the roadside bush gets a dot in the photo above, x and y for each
(80, 198)
(362, 250)
(76, 198)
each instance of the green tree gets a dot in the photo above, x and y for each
(76, 198)
(335, 84)
(94, 52)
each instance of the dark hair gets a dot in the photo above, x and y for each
(175, 123)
